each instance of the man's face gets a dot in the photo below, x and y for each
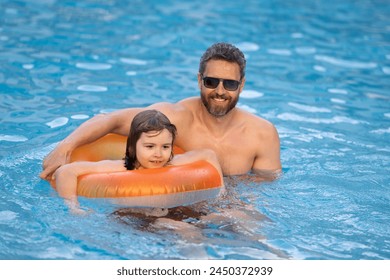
(220, 97)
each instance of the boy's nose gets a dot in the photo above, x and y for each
(157, 152)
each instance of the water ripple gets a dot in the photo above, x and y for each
(12, 138)
(58, 122)
(133, 61)
(92, 88)
(346, 63)
(6, 216)
(376, 96)
(386, 70)
(319, 68)
(79, 117)
(248, 46)
(299, 118)
(336, 100)
(28, 66)
(310, 109)
(338, 91)
(381, 131)
(247, 108)
(93, 66)
(305, 50)
(283, 52)
(251, 94)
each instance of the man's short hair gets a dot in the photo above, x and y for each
(223, 51)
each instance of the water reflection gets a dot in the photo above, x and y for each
(228, 225)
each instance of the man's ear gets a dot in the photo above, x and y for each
(242, 84)
(199, 81)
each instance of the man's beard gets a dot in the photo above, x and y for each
(219, 110)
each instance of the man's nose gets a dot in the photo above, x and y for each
(220, 89)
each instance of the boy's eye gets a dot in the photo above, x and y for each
(167, 147)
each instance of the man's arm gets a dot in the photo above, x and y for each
(91, 130)
(267, 161)
(95, 128)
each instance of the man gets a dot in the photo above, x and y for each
(241, 141)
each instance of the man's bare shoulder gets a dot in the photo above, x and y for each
(264, 138)
(257, 125)
(184, 104)
(181, 109)
(254, 120)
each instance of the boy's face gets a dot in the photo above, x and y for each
(154, 148)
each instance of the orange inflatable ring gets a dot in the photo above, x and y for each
(165, 187)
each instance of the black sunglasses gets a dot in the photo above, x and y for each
(212, 83)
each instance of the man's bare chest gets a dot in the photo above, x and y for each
(235, 152)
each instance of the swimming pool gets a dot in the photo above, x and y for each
(319, 70)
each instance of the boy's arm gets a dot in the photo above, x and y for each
(66, 176)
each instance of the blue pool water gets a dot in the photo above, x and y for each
(319, 70)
